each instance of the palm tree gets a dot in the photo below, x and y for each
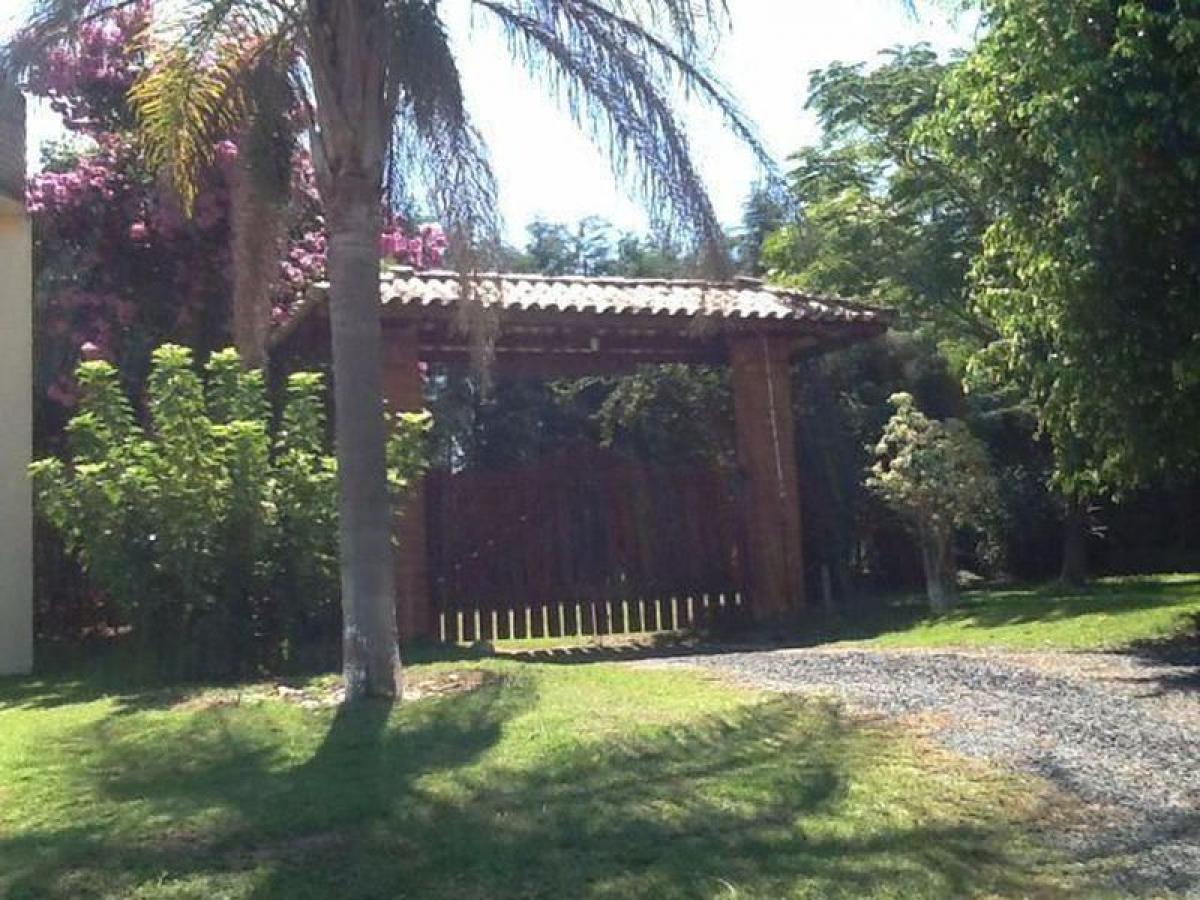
(387, 114)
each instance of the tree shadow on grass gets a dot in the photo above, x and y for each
(120, 671)
(424, 802)
(1175, 660)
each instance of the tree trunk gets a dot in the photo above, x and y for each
(257, 224)
(1075, 536)
(371, 659)
(354, 111)
(937, 558)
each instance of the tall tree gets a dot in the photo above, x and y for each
(1079, 120)
(388, 116)
(880, 212)
(888, 210)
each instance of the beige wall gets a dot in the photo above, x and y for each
(16, 372)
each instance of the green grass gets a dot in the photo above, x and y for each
(1112, 613)
(556, 781)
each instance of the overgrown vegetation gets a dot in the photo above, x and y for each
(546, 781)
(212, 530)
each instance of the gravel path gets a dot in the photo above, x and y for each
(1121, 735)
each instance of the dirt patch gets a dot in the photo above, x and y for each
(444, 684)
(331, 692)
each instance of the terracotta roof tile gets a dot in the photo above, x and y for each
(742, 299)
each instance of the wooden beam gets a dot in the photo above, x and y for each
(766, 446)
(404, 392)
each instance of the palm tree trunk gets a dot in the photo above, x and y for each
(371, 659)
(347, 56)
(257, 225)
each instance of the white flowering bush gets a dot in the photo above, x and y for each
(936, 475)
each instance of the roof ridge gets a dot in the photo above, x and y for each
(742, 299)
(737, 282)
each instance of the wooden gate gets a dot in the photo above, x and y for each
(584, 542)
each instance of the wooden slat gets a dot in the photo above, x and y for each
(487, 627)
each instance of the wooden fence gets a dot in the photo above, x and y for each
(585, 542)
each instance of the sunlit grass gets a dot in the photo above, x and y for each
(1112, 613)
(547, 781)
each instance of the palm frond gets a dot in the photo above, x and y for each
(612, 74)
(437, 154)
(435, 150)
(211, 64)
(680, 65)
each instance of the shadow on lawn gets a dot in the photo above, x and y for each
(119, 670)
(408, 804)
(1181, 653)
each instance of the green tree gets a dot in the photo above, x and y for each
(557, 249)
(881, 215)
(888, 210)
(387, 113)
(1080, 122)
(937, 476)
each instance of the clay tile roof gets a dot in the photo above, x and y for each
(740, 300)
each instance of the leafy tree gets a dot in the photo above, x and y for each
(890, 212)
(882, 215)
(763, 214)
(386, 108)
(556, 249)
(1079, 122)
(937, 476)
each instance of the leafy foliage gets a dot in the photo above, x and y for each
(880, 213)
(1079, 122)
(214, 537)
(937, 476)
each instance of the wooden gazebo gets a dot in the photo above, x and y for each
(575, 326)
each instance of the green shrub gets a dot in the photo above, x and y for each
(214, 534)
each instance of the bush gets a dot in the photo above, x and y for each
(936, 475)
(212, 533)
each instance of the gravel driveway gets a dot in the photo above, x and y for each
(1120, 734)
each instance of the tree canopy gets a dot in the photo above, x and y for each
(1079, 121)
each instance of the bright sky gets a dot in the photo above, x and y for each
(547, 169)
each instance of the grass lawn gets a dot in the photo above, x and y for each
(545, 781)
(1110, 614)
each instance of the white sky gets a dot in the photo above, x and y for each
(547, 169)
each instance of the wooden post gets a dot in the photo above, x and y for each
(404, 392)
(762, 395)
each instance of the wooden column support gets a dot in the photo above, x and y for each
(766, 446)
(404, 392)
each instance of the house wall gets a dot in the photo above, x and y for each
(16, 331)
